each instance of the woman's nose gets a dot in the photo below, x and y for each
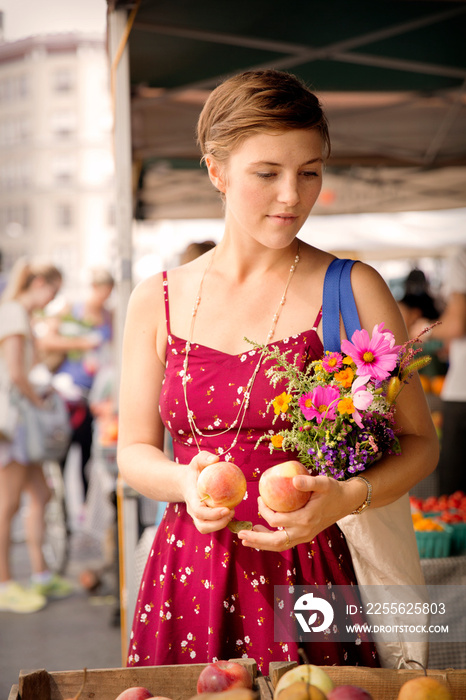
(289, 191)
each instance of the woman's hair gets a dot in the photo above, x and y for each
(254, 102)
(24, 272)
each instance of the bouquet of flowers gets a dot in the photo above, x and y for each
(339, 412)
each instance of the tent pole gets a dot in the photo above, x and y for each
(119, 60)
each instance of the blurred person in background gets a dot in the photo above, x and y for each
(452, 331)
(194, 250)
(30, 288)
(75, 347)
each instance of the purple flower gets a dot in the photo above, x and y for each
(320, 403)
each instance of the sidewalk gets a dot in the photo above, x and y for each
(81, 630)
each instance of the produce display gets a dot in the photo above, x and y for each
(443, 516)
(286, 682)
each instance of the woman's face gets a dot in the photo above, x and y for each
(45, 291)
(271, 182)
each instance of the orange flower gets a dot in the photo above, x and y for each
(345, 377)
(281, 403)
(346, 405)
(277, 440)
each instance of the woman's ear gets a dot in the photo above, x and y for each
(216, 173)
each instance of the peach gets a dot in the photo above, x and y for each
(219, 676)
(277, 490)
(221, 484)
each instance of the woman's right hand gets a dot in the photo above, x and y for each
(205, 519)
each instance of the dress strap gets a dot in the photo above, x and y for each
(165, 298)
(318, 320)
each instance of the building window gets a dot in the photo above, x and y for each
(64, 168)
(63, 123)
(64, 216)
(63, 80)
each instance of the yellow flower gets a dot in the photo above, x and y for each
(277, 440)
(346, 405)
(345, 377)
(348, 361)
(281, 403)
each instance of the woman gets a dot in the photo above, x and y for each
(81, 336)
(31, 288)
(207, 593)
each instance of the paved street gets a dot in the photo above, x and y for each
(82, 630)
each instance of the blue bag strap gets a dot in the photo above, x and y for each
(338, 297)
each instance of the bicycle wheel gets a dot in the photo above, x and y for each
(56, 538)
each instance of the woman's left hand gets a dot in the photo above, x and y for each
(328, 503)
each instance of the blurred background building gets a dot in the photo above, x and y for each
(56, 158)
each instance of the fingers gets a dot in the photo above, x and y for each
(262, 538)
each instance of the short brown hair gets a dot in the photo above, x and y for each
(254, 102)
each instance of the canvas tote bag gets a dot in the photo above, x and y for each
(381, 540)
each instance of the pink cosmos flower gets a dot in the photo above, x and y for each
(376, 356)
(362, 398)
(332, 361)
(320, 403)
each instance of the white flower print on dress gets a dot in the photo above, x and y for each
(189, 636)
(243, 358)
(184, 643)
(193, 654)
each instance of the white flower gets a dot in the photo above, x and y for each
(179, 543)
(188, 570)
(212, 388)
(183, 578)
(358, 641)
(240, 389)
(285, 647)
(281, 604)
(161, 578)
(255, 582)
(136, 658)
(206, 584)
(291, 589)
(232, 608)
(168, 615)
(262, 579)
(147, 608)
(228, 458)
(225, 604)
(207, 549)
(243, 358)
(247, 640)
(189, 635)
(239, 642)
(193, 654)
(143, 617)
(184, 643)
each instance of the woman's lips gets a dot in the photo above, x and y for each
(283, 218)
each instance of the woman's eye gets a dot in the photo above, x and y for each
(266, 175)
(310, 173)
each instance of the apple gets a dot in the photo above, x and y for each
(310, 674)
(300, 690)
(277, 490)
(349, 692)
(223, 675)
(424, 688)
(135, 693)
(221, 484)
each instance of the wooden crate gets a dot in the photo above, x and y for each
(381, 683)
(177, 682)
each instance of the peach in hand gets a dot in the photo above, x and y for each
(277, 490)
(221, 484)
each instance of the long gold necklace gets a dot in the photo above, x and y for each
(239, 420)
